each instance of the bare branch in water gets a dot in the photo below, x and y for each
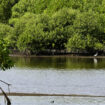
(6, 97)
(6, 84)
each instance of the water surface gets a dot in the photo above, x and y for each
(55, 100)
(57, 75)
(60, 63)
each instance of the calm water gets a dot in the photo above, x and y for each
(57, 101)
(57, 63)
(56, 75)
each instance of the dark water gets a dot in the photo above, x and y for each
(59, 63)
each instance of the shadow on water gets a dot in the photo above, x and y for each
(59, 63)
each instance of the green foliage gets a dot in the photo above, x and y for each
(32, 26)
(87, 43)
(99, 46)
(34, 33)
(5, 61)
(34, 36)
(5, 30)
(32, 6)
(5, 9)
(86, 23)
(90, 26)
(46, 6)
(38, 32)
(62, 27)
(19, 25)
(76, 42)
(38, 25)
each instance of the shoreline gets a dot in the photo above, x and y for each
(65, 55)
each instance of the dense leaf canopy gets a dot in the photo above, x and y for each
(34, 26)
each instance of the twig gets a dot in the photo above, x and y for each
(6, 84)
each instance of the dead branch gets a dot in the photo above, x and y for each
(6, 84)
(6, 97)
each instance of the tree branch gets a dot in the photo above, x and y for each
(6, 97)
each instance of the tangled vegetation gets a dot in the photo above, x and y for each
(34, 26)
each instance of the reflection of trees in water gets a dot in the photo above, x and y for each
(99, 63)
(79, 63)
(59, 62)
(41, 62)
